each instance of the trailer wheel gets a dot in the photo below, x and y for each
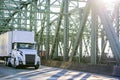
(7, 63)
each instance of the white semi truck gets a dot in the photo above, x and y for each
(18, 49)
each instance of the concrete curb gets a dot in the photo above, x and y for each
(116, 71)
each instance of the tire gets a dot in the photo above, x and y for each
(8, 62)
(14, 65)
(37, 66)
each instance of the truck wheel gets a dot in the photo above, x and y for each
(37, 66)
(9, 64)
(15, 65)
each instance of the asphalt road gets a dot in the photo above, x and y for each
(47, 73)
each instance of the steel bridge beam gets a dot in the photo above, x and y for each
(66, 30)
(80, 30)
(57, 31)
(11, 15)
(48, 29)
(94, 38)
(109, 30)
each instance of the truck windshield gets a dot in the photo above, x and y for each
(25, 46)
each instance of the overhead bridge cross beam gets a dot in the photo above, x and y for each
(17, 9)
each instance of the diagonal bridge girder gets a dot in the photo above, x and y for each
(107, 25)
(22, 5)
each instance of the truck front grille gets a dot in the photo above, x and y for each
(30, 59)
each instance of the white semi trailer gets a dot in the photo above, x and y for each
(18, 49)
